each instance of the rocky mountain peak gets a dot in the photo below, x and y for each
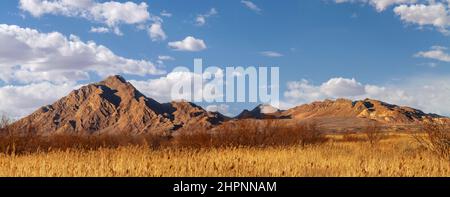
(114, 105)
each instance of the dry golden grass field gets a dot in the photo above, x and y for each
(395, 155)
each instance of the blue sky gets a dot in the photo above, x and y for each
(326, 49)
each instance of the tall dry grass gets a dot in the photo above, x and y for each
(396, 156)
(244, 148)
(436, 138)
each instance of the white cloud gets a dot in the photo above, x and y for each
(28, 55)
(156, 32)
(221, 108)
(380, 5)
(341, 87)
(18, 101)
(113, 13)
(428, 93)
(301, 92)
(271, 54)
(166, 14)
(250, 5)
(200, 20)
(435, 14)
(110, 13)
(268, 109)
(38, 8)
(165, 58)
(188, 44)
(160, 89)
(436, 53)
(99, 30)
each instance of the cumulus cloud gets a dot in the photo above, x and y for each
(252, 6)
(188, 44)
(110, 13)
(436, 53)
(156, 32)
(18, 101)
(161, 88)
(200, 20)
(428, 93)
(271, 54)
(434, 14)
(27, 55)
(341, 87)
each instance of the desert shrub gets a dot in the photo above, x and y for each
(193, 137)
(24, 142)
(250, 133)
(373, 133)
(436, 139)
(5, 123)
(308, 134)
(273, 133)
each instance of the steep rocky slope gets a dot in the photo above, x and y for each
(113, 106)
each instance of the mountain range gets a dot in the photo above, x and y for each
(115, 105)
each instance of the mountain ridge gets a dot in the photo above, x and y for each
(115, 105)
(367, 108)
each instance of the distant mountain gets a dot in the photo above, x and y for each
(112, 106)
(342, 115)
(363, 109)
(262, 111)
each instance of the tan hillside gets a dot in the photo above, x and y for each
(365, 109)
(343, 115)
